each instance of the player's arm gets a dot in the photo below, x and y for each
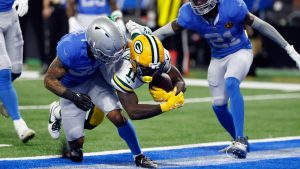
(135, 110)
(270, 32)
(52, 78)
(177, 79)
(52, 82)
(168, 30)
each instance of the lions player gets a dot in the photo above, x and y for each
(11, 60)
(221, 23)
(82, 12)
(75, 76)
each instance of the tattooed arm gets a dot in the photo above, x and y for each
(52, 79)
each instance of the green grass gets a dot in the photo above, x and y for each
(193, 123)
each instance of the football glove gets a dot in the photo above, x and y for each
(293, 54)
(134, 27)
(175, 101)
(160, 95)
(21, 6)
(82, 101)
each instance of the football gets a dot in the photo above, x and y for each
(163, 81)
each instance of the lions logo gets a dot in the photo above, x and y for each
(229, 25)
(138, 47)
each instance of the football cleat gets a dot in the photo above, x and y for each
(144, 162)
(54, 123)
(3, 111)
(238, 148)
(27, 135)
(76, 155)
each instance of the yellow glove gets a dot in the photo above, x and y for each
(175, 101)
(159, 95)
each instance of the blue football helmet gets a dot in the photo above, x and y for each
(202, 7)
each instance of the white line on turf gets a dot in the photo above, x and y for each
(5, 145)
(162, 148)
(195, 100)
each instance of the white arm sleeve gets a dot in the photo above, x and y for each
(164, 31)
(269, 31)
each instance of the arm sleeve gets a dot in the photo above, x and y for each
(269, 31)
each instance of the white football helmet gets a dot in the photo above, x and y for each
(202, 7)
(106, 40)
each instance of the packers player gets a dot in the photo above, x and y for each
(75, 77)
(144, 61)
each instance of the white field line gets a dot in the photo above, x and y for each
(5, 145)
(211, 144)
(195, 100)
(250, 85)
(34, 75)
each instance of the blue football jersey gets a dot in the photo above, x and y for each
(72, 51)
(6, 5)
(94, 7)
(226, 34)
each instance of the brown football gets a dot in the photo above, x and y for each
(163, 81)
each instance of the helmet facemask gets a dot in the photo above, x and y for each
(202, 7)
(146, 74)
(107, 59)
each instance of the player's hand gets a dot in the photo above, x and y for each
(82, 101)
(134, 27)
(159, 95)
(175, 101)
(293, 54)
(21, 6)
(74, 25)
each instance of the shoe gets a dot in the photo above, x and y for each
(76, 155)
(27, 135)
(54, 123)
(3, 111)
(238, 148)
(144, 162)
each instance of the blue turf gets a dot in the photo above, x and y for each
(126, 158)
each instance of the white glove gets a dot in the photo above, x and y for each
(22, 7)
(133, 27)
(74, 25)
(293, 54)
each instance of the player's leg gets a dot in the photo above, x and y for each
(237, 68)
(104, 97)
(73, 119)
(54, 121)
(14, 45)
(7, 92)
(216, 72)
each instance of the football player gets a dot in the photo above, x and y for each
(11, 61)
(75, 76)
(221, 23)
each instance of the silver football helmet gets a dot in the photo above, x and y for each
(106, 40)
(202, 7)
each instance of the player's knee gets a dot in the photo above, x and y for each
(219, 101)
(117, 118)
(232, 83)
(75, 133)
(5, 79)
(14, 76)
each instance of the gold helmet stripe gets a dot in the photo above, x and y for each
(154, 48)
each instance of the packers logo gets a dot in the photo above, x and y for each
(138, 47)
(229, 25)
